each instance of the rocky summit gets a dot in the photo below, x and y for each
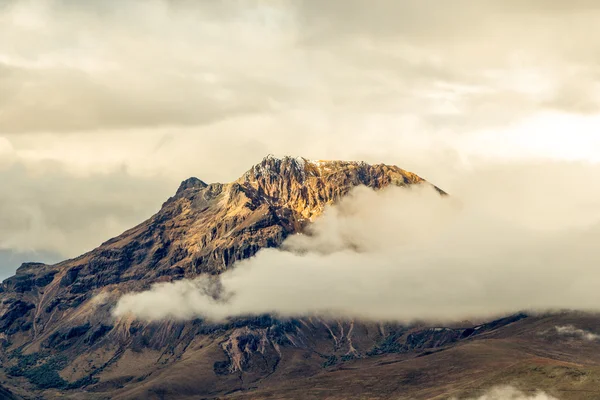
(60, 340)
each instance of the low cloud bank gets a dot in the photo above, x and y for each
(570, 330)
(510, 393)
(516, 238)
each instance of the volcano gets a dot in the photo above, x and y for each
(60, 338)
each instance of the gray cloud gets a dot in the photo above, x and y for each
(520, 237)
(49, 210)
(83, 66)
(66, 99)
(11, 259)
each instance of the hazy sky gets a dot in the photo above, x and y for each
(105, 106)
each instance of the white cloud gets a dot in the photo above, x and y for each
(510, 393)
(509, 239)
(570, 330)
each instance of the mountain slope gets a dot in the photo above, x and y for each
(59, 337)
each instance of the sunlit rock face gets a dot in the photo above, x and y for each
(205, 228)
(307, 186)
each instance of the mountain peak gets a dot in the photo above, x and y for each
(191, 183)
(306, 186)
(301, 168)
(272, 166)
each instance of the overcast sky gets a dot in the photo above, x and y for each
(105, 106)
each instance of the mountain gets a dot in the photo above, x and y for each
(59, 338)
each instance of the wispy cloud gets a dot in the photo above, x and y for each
(511, 393)
(570, 330)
